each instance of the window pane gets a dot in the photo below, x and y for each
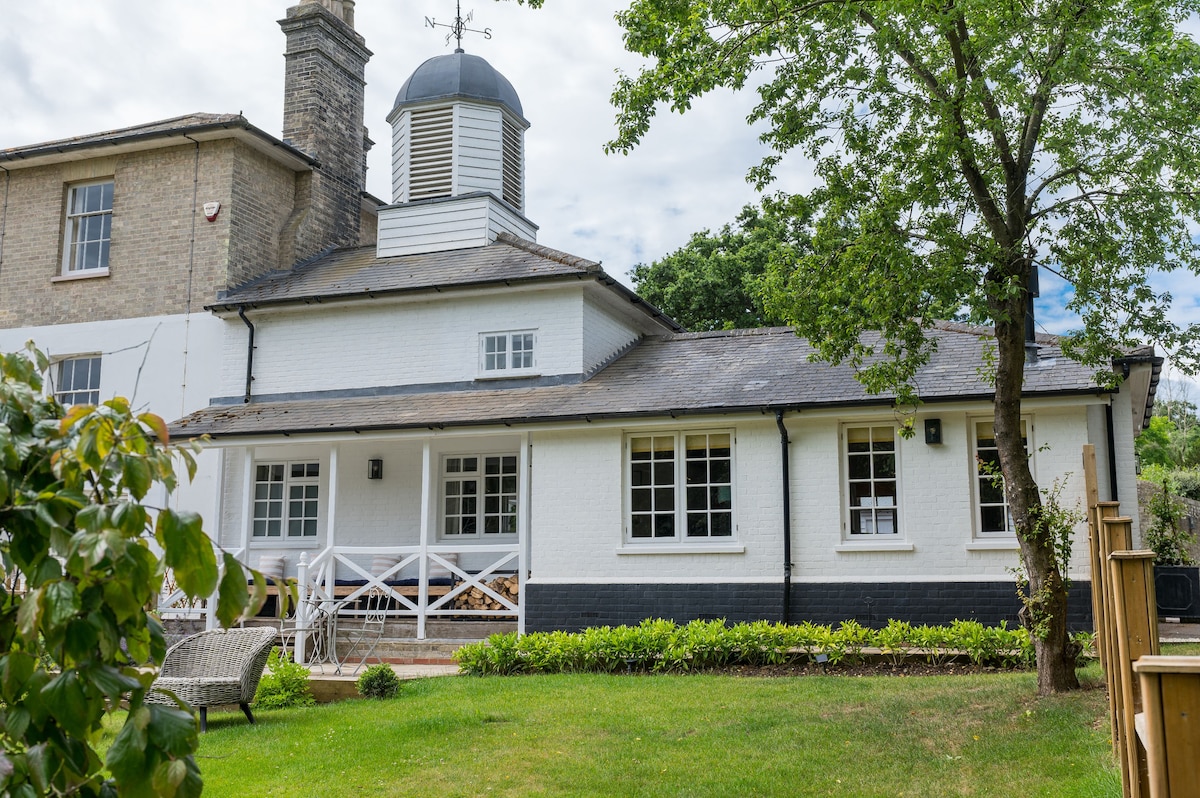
(664, 498)
(664, 526)
(697, 498)
(722, 525)
(640, 501)
(992, 519)
(720, 497)
(885, 466)
(859, 466)
(640, 526)
(697, 472)
(991, 490)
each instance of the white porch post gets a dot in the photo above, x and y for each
(426, 528)
(210, 621)
(301, 609)
(524, 480)
(331, 505)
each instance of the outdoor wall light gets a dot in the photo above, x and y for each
(375, 469)
(933, 431)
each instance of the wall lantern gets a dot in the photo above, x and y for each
(375, 469)
(933, 431)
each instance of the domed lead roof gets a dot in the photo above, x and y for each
(458, 75)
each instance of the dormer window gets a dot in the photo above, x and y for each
(506, 353)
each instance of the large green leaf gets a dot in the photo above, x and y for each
(67, 701)
(127, 755)
(60, 604)
(172, 730)
(232, 598)
(137, 475)
(188, 551)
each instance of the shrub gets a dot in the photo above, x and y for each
(1187, 484)
(658, 645)
(284, 684)
(378, 681)
(1165, 537)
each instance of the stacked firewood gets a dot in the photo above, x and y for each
(476, 599)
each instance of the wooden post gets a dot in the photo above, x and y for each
(1170, 724)
(1092, 490)
(1113, 535)
(1132, 577)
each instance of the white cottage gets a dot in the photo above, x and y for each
(457, 403)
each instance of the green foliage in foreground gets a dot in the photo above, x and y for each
(660, 645)
(82, 556)
(283, 684)
(661, 735)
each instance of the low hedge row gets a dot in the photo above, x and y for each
(658, 645)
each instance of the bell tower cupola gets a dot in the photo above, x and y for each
(458, 159)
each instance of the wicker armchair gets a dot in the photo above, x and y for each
(220, 666)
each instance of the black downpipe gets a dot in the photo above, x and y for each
(249, 354)
(785, 469)
(1112, 453)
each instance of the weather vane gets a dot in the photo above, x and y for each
(459, 27)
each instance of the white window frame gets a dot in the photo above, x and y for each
(679, 506)
(977, 478)
(88, 394)
(499, 503)
(495, 362)
(309, 483)
(874, 516)
(79, 234)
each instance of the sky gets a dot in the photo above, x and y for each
(72, 67)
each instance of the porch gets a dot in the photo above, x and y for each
(424, 536)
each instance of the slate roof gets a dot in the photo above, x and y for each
(683, 374)
(165, 128)
(350, 273)
(457, 74)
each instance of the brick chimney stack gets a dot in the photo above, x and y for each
(323, 89)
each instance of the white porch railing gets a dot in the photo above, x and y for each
(318, 581)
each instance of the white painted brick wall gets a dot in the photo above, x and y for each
(386, 344)
(603, 335)
(578, 510)
(578, 513)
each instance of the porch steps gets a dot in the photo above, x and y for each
(417, 652)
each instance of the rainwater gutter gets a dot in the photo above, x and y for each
(785, 471)
(249, 353)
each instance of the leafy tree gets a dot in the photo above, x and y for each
(80, 560)
(960, 146)
(1153, 446)
(714, 282)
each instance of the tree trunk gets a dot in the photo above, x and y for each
(1045, 613)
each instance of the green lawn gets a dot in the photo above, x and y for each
(698, 735)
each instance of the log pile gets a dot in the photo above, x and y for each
(476, 599)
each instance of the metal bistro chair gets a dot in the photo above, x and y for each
(364, 631)
(320, 629)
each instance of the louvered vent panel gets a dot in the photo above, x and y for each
(512, 165)
(431, 148)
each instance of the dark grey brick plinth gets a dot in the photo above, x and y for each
(575, 607)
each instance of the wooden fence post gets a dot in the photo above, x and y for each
(1131, 574)
(1112, 536)
(1170, 724)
